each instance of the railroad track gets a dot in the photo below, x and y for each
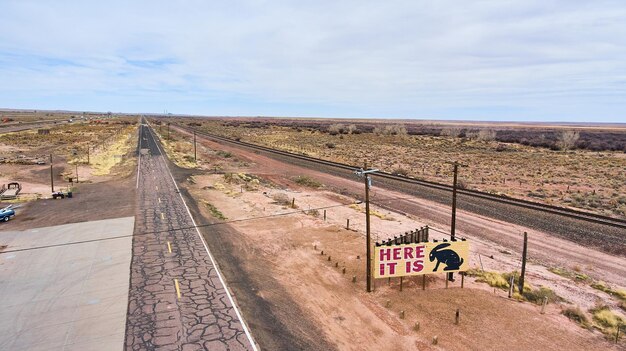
(579, 215)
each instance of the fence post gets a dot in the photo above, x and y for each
(524, 251)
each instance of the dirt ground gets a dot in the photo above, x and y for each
(584, 180)
(289, 245)
(542, 246)
(104, 200)
(95, 196)
(292, 246)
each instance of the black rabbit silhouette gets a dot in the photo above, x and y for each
(449, 257)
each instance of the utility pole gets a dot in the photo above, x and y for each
(524, 251)
(88, 154)
(456, 165)
(76, 172)
(194, 147)
(51, 174)
(368, 265)
(367, 230)
(168, 131)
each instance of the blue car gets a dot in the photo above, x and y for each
(6, 214)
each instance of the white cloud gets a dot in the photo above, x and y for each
(517, 59)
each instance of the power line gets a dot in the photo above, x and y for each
(175, 229)
(207, 225)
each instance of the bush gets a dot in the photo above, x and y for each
(569, 274)
(619, 294)
(396, 129)
(567, 139)
(214, 211)
(330, 145)
(335, 129)
(605, 317)
(401, 172)
(494, 279)
(576, 315)
(282, 199)
(486, 135)
(224, 154)
(538, 295)
(314, 213)
(307, 181)
(451, 132)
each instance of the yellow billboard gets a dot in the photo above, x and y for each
(420, 258)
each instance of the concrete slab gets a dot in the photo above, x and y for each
(69, 291)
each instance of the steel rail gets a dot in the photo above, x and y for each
(580, 215)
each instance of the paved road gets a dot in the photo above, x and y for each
(177, 298)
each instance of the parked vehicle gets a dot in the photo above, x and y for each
(7, 213)
(10, 191)
(58, 195)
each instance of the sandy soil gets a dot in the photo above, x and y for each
(102, 200)
(293, 245)
(543, 248)
(94, 197)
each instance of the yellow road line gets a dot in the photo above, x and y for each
(169, 247)
(177, 288)
(162, 215)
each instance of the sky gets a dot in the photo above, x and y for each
(509, 60)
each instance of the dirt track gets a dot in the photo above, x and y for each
(111, 199)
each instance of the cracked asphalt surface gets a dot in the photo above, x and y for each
(198, 315)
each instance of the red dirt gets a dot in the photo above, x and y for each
(348, 316)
